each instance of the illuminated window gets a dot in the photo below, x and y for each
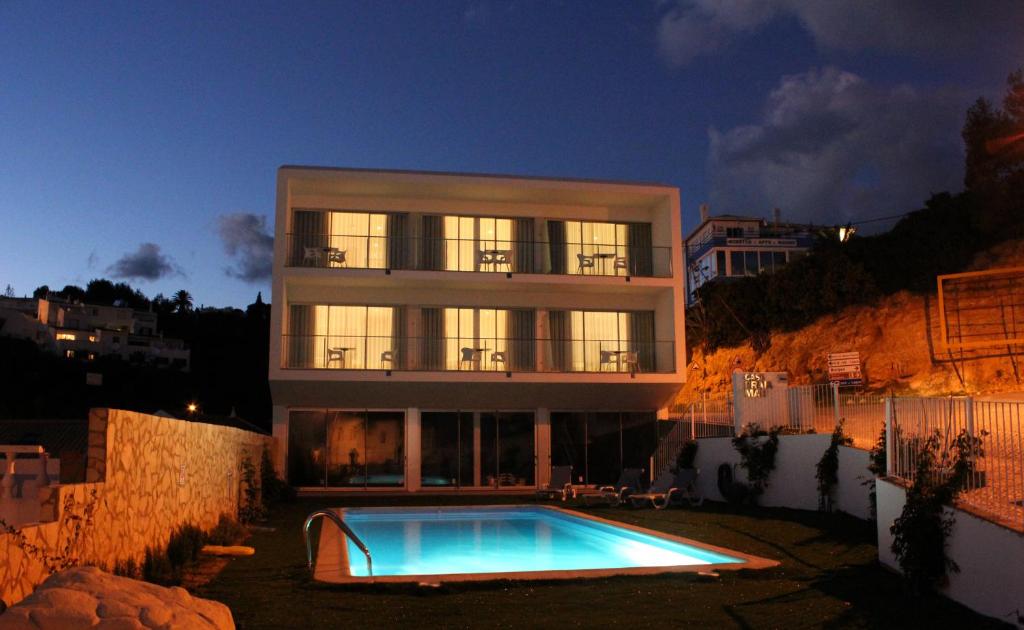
(483, 331)
(362, 237)
(92, 338)
(594, 335)
(69, 354)
(65, 337)
(599, 243)
(465, 238)
(353, 337)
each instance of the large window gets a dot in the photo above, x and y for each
(751, 263)
(596, 248)
(476, 338)
(446, 439)
(476, 243)
(357, 239)
(598, 340)
(599, 445)
(346, 448)
(507, 449)
(343, 337)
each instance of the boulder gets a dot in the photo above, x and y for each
(86, 597)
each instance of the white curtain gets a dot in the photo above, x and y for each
(362, 236)
(361, 333)
(594, 332)
(588, 238)
(466, 237)
(475, 329)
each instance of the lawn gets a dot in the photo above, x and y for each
(828, 577)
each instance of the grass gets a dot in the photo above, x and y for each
(828, 576)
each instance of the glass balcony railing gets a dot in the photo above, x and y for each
(476, 354)
(477, 255)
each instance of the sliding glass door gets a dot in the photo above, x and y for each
(476, 339)
(358, 239)
(346, 449)
(477, 243)
(355, 337)
(599, 445)
(446, 458)
(507, 456)
(599, 340)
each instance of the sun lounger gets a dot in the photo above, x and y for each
(560, 485)
(659, 495)
(629, 482)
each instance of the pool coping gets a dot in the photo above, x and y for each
(337, 570)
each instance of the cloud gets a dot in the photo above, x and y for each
(688, 29)
(832, 147)
(145, 263)
(247, 240)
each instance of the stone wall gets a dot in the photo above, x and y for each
(149, 475)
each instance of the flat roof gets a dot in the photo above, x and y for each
(538, 178)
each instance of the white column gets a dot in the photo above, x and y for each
(280, 433)
(542, 447)
(413, 449)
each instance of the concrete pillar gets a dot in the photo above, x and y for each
(280, 433)
(413, 449)
(542, 447)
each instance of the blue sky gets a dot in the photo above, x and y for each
(128, 131)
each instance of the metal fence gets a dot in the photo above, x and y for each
(996, 489)
(703, 418)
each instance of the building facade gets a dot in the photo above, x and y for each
(86, 331)
(459, 332)
(729, 246)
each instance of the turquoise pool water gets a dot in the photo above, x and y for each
(444, 541)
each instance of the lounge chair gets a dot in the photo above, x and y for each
(629, 481)
(560, 485)
(686, 483)
(659, 495)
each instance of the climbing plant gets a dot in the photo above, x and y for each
(251, 508)
(76, 521)
(828, 467)
(878, 465)
(757, 456)
(687, 455)
(920, 532)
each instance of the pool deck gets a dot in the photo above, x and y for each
(332, 560)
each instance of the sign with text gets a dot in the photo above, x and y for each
(844, 368)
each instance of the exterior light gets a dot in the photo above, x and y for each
(192, 407)
(846, 232)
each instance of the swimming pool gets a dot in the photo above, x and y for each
(491, 542)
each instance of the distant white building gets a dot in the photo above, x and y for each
(86, 331)
(730, 246)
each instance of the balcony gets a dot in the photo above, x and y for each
(476, 255)
(479, 354)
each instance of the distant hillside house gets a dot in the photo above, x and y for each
(86, 331)
(730, 246)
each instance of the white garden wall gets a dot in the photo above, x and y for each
(793, 483)
(991, 558)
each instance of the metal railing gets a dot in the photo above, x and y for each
(699, 419)
(476, 354)
(345, 529)
(335, 251)
(996, 488)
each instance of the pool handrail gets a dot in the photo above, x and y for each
(345, 529)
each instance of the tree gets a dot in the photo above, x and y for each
(182, 301)
(41, 292)
(9, 291)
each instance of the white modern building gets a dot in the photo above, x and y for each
(730, 246)
(452, 332)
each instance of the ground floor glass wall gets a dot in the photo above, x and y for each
(598, 445)
(346, 448)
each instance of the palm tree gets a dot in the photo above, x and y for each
(182, 301)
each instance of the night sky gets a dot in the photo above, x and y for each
(139, 141)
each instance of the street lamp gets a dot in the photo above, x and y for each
(192, 408)
(845, 232)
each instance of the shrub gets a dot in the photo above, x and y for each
(227, 532)
(827, 472)
(920, 532)
(157, 568)
(251, 508)
(184, 546)
(687, 455)
(757, 457)
(273, 488)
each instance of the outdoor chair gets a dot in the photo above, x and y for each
(659, 495)
(686, 484)
(629, 482)
(388, 356)
(337, 256)
(620, 263)
(312, 255)
(631, 360)
(336, 354)
(560, 486)
(470, 356)
(608, 357)
(585, 262)
(499, 357)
